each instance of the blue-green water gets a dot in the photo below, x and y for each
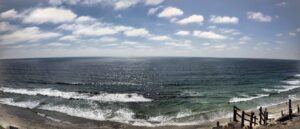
(147, 91)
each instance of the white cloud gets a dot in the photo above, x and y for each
(5, 26)
(30, 34)
(124, 4)
(116, 4)
(292, 34)
(208, 35)
(170, 12)
(9, 14)
(279, 34)
(191, 19)
(58, 44)
(49, 15)
(160, 38)
(258, 16)
(224, 20)
(152, 11)
(184, 43)
(281, 4)
(94, 31)
(298, 29)
(137, 33)
(85, 19)
(244, 39)
(68, 38)
(153, 2)
(182, 33)
(108, 39)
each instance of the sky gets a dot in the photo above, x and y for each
(137, 28)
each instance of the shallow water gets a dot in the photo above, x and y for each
(147, 91)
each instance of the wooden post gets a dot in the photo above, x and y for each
(265, 116)
(255, 120)
(243, 119)
(251, 119)
(260, 115)
(234, 114)
(290, 109)
(218, 124)
(282, 113)
(298, 109)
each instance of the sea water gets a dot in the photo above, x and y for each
(148, 91)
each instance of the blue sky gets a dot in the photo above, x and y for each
(197, 28)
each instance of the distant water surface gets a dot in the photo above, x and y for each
(148, 91)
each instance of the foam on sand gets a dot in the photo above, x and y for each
(105, 97)
(237, 99)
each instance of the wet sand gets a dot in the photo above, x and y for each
(40, 119)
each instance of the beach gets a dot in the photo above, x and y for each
(40, 119)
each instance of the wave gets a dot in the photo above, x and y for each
(122, 115)
(292, 82)
(83, 83)
(236, 99)
(24, 104)
(297, 75)
(104, 97)
(281, 89)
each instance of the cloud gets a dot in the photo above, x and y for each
(184, 43)
(279, 34)
(224, 20)
(58, 44)
(298, 29)
(30, 34)
(6, 26)
(116, 4)
(292, 34)
(244, 39)
(160, 38)
(191, 19)
(208, 35)
(94, 31)
(49, 15)
(182, 33)
(281, 4)
(137, 33)
(153, 2)
(170, 12)
(108, 39)
(124, 4)
(85, 19)
(258, 16)
(9, 14)
(69, 38)
(152, 11)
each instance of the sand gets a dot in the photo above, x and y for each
(39, 119)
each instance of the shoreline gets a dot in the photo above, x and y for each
(43, 119)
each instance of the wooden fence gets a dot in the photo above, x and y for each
(262, 118)
(250, 117)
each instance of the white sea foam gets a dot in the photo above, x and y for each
(24, 104)
(106, 97)
(292, 82)
(297, 75)
(237, 99)
(281, 89)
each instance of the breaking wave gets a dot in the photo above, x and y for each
(247, 98)
(104, 97)
(24, 104)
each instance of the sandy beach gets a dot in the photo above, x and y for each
(41, 119)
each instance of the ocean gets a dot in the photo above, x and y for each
(152, 91)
